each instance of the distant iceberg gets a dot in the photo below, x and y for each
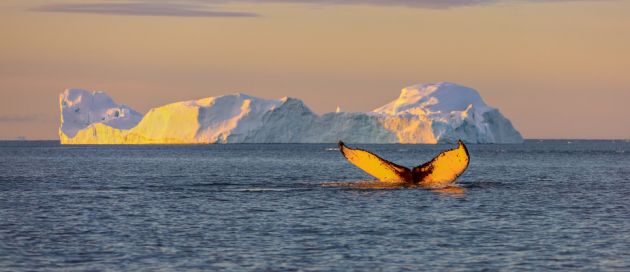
(427, 113)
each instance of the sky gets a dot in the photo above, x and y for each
(555, 68)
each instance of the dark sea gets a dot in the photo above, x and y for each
(538, 206)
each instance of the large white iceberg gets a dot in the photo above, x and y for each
(427, 113)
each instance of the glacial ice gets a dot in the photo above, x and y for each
(428, 113)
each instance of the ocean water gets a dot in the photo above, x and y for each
(541, 205)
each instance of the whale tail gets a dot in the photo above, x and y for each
(442, 170)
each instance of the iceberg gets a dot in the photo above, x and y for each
(81, 109)
(427, 113)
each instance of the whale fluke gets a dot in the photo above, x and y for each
(444, 169)
(374, 165)
(439, 172)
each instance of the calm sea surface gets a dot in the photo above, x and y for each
(537, 206)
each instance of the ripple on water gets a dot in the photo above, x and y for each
(543, 205)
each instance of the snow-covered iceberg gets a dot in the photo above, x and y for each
(427, 113)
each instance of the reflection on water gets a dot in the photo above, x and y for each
(379, 185)
(366, 185)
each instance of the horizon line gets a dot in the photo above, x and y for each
(524, 139)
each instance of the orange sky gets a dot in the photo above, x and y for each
(557, 69)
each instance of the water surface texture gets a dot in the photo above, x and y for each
(534, 206)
